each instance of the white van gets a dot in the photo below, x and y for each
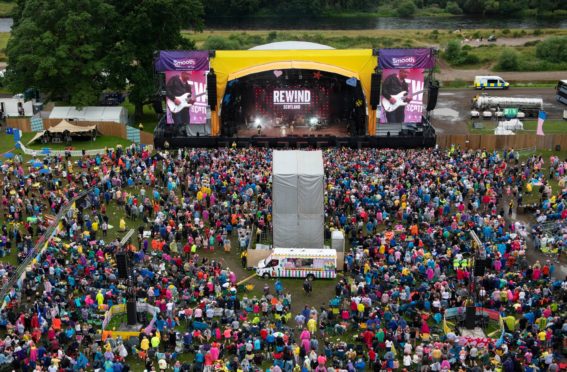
(299, 263)
(490, 82)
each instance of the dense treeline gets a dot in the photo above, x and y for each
(216, 8)
(74, 50)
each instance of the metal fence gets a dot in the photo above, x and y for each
(18, 277)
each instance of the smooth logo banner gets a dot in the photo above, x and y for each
(406, 58)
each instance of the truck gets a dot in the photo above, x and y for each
(526, 105)
(299, 263)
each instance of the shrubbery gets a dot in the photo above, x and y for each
(406, 9)
(458, 56)
(453, 8)
(508, 60)
(553, 49)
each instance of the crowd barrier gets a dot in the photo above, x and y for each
(36, 153)
(34, 256)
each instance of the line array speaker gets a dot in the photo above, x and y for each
(375, 81)
(432, 96)
(212, 89)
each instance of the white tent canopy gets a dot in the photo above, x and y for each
(117, 114)
(298, 186)
(64, 126)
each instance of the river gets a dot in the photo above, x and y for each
(370, 22)
(364, 23)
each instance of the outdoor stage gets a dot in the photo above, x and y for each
(336, 129)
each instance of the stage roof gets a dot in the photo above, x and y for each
(292, 45)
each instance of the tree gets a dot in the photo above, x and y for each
(453, 8)
(453, 51)
(143, 28)
(59, 48)
(406, 9)
(508, 60)
(553, 49)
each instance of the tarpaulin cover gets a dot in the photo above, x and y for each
(406, 58)
(298, 186)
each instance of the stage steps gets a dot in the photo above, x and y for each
(383, 129)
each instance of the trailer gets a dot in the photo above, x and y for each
(528, 106)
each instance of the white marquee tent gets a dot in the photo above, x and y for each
(298, 187)
(117, 114)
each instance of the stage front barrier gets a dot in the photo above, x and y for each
(494, 142)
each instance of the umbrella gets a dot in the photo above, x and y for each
(44, 171)
(37, 164)
(9, 155)
(45, 151)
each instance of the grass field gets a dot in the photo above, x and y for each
(363, 38)
(149, 119)
(6, 8)
(100, 143)
(530, 126)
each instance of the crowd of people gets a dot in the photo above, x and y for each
(407, 216)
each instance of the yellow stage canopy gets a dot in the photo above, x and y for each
(357, 63)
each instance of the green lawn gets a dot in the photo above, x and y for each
(6, 8)
(6, 142)
(530, 126)
(149, 119)
(100, 143)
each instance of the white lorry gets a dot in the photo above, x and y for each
(487, 104)
(299, 263)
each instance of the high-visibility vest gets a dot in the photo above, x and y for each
(464, 263)
(456, 263)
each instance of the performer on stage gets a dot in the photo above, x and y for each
(176, 87)
(393, 85)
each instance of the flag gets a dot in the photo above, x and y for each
(40, 318)
(540, 119)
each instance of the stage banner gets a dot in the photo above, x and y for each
(402, 96)
(182, 60)
(185, 85)
(406, 58)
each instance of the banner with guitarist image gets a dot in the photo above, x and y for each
(186, 97)
(402, 95)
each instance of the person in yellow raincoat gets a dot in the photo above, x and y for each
(100, 298)
(312, 325)
(145, 344)
(122, 224)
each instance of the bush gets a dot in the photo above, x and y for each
(221, 43)
(406, 9)
(453, 51)
(553, 49)
(273, 35)
(453, 8)
(466, 48)
(434, 35)
(467, 59)
(508, 60)
(538, 32)
(505, 31)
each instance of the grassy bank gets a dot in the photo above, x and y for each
(101, 142)
(549, 127)
(6, 9)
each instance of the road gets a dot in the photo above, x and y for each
(453, 106)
